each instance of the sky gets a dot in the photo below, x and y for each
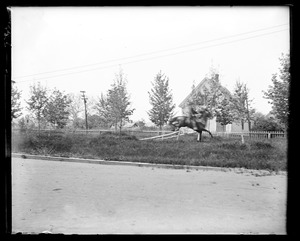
(78, 49)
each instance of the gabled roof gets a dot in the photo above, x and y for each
(200, 86)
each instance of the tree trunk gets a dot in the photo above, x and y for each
(39, 124)
(120, 127)
(248, 115)
(116, 125)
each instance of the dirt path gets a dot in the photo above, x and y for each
(64, 197)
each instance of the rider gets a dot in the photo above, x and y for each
(190, 112)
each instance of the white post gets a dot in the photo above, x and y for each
(243, 141)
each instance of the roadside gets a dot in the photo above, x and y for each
(213, 152)
(144, 164)
(66, 197)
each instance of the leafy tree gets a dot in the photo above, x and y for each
(15, 102)
(241, 104)
(224, 112)
(161, 100)
(266, 123)
(56, 110)
(278, 93)
(214, 97)
(94, 121)
(117, 109)
(141, 124)
(75, 108)
(37, 102)
(25, 122)
(103, 111)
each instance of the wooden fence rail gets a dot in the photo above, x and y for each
(146, 134)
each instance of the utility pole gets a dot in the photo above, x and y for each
(84, 101)
(247, 107)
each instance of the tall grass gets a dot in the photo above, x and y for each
(218, 151)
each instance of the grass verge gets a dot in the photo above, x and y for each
(219, 152)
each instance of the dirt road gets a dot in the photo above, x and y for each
(64, 197)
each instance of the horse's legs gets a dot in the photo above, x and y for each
(178, 134)
(208, 132)
(199, 136)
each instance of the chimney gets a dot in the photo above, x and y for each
(217, 77)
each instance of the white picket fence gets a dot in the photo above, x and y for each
(252, 134)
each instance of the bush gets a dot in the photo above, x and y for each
(267, 124)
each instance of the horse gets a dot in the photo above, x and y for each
(196, 123)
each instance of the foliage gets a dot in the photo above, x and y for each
(241, 104)
(75, 108)
(103, 109)
(224, 112)
(266, 123)
(278, 93)
(56, 110)
(216, 98)
(210, 97)
(15, 102)
(114, 108)
(94, 121)
(161, 100)
(38, 101)
(25, 122)
(141, 124)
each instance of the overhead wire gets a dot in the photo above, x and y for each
(154, 57)
(153, 52)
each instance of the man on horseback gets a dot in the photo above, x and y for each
(193, 115)
(192, 119)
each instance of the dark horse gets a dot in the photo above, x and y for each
(197, 124)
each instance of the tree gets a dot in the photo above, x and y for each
(75, 108)
(140, 123)
(102, 108)
(94, 121)
(25, 122)
(15, 102)
(241, 104)
(278, 93)
(38, 101)
(117, 110)
(266, 123)
(214, 97)
(224, 112)
(161, 100)
(56, 110)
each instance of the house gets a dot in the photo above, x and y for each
(212, 124)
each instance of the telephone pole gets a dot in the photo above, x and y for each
(84, 101)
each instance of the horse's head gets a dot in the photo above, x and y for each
(170, 121)
(173, 123)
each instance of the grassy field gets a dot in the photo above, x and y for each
(221, 152)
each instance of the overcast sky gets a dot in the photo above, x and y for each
(82, 48)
